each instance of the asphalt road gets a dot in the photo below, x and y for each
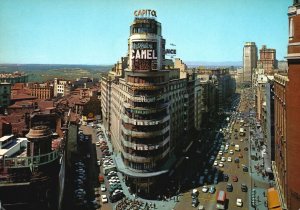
(230, 168)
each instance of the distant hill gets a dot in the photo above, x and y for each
(192, 64)
(44, 72)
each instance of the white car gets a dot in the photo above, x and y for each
(239, 202)
(223, 159)
(229, 159)
(241, 140)
(104, 199)
(220, 153)
(221, 164)
(103, 188)
(215, 163)
(205, 189)
(231, 152)
(98, 162)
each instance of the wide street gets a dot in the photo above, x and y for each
(231, 134)
(200, 158)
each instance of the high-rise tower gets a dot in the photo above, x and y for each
(145, 125)
(249, 61)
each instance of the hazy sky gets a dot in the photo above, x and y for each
(96, 31)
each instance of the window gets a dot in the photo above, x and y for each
(291, 31)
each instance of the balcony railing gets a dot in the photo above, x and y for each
(25, 162)
(145, 110)
(141, 134)
(140, 159)
(145, 98)
(145, 147)
(126, 119)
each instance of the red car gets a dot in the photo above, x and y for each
(234, 178)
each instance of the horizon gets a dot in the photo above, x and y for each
(95, 32)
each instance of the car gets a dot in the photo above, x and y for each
(195, 202)
(246, 148)
(102, 188)
(225, 177)
(195, 193)
(201, 207)
(218, 157)
(104, 199)
(239, 202)
(232, 144)
(245, 168)
(94, 204)
(229, 187)
(201, 180)
(241, 140)
(231, 152)
(236, 160)
(244, 188)
(234, 178)
(117, 191)
(212, 189)
(240, 155)
(206, 171)
(223, 159)
(209, 178)
(229, 159)
(205, 189)
(116, 197)
(215, 163)
(220, 153)
(221, 164)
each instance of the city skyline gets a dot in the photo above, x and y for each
(96, 32)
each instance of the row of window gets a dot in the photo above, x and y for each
(152, 140)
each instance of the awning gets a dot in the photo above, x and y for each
(273, 199)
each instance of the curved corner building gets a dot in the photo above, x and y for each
(145, 125)
(145, 108)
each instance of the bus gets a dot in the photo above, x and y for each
(221, 200)
(242, 132)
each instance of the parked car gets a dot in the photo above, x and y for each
(229, 187)
(225, 177)
(205, 189)
(212, 189)
(234, 178)
(239, 202)
(244, 188)
(104, 199)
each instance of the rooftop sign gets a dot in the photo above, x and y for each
(145, 13)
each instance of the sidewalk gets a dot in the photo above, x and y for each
(152, 204)
(259, 181)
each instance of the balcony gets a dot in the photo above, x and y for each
(25, 162)
(144, 98)
(145, 147)
(140, 159)
(140, 134)
(145, 110)
(126, 119)
(146, 86)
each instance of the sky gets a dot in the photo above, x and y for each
(97, 31)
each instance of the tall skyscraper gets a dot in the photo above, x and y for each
(249, 61)
(287, 119)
